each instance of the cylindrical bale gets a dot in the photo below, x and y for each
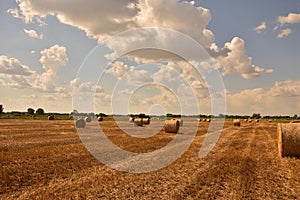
(80, 123)
(289, 140)
(207, 120)
(50, 117)
(270, 121)
(88, 119)
(172, 126)
(100, 119)
(131, 120)
(146, 121)
(179, 120)
(257, 120)
(138, 121)
(250, 120)
(245, 120)
(237, 122)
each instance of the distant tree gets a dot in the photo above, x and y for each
(295, 116)
(30, 111)
(256, 116)
(102, 115)
(1, 109)
(40, 111)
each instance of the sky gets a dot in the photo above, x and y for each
(205, 56)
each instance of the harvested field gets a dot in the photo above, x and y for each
(46, 160)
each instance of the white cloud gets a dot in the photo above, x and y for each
(260, 27)
(33, 34)
(267, 101)
(291, 18)
(284, 33)
(52, 60)
(118, 69)
(238, 61)
(13, 66)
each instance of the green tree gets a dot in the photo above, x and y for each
(30, 111)
(40, 111)
(1, 109)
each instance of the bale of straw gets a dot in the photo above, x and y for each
(131, 120)
(250, 120)
(50, 117)
(237, 122)
(245, 120)
(289, 140)
(172, 126)
(80, 123)
(138, 121)
(88, 119)
(270, 121)
(100, 119)
(257, 120)
(180, 121)
(146, 121)
(207, 120)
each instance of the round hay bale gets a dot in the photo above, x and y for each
(100, 119)
(146, 121)
(88, 119)
(50, 117)
(131, 120)
(250, 120)
(80, 123)
(289, 140)
(199, 120)
(138, 121)
(207, 120)
(257, 120)
(172, 126)
(245, 120)
(270, 121)
(237, 122)
(179, 120)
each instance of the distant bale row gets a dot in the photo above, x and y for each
(289, 139)
(140, 121)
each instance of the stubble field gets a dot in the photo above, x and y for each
(46, 160)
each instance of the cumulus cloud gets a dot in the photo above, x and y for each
(33, 34)
(101, 19)
(284, 33)
(118, 69)
(260, 27)
(52, 60)
(238, 61)
(291, 18)
(13, 66)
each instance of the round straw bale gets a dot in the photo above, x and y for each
(179, 120)
(172, 126)
(50, 117)
(207, 120)
(237, 122)
(80, 123)
(245, 120)
(131, 120)
(257, 120)
(250, 120)
(289, 140)
(88, 119)
(146, 121)
(270, 121)
(138, 121)
(100, 119)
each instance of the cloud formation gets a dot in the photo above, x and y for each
(238, 61)
(13, 66)
(101, 19)
(33, 34)
(260, 28)
(284, 33)
(291, 18)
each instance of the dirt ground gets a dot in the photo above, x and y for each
(46, 160)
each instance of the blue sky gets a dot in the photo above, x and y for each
(50, 41)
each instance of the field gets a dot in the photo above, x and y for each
(46, 160)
